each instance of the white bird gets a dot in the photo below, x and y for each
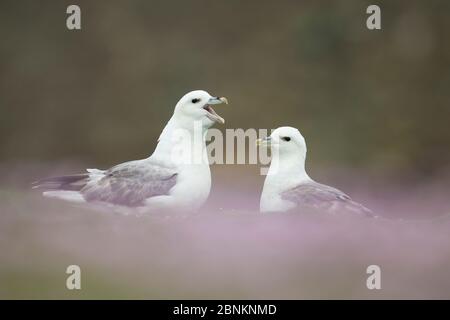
(288, 187)
(175, 177)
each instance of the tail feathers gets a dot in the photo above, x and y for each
(73, 196)
(71, 183)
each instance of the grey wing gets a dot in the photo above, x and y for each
(131, 183)
(324, 198)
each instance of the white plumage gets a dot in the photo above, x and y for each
(175, 177)
(288, 187)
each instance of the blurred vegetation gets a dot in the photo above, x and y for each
(378, 100)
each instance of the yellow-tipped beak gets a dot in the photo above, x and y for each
(224, 100)
(212, 115)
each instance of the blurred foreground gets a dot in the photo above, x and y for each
(223, 252)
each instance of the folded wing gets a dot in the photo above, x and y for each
(316, 196)
(128, 184)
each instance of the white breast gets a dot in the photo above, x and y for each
(193, 186)
(274, 185)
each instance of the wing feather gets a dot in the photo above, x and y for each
(131, 183)
(321, 197)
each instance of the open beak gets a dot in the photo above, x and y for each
(212, 115)
(264, 142)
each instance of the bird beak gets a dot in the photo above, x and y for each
(265, 142)
(216, 100)
(212, 115)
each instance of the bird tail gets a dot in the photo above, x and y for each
(70, 183)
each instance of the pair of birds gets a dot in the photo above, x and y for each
(176, 177)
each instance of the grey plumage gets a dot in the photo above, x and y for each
(127, 184)
(316, 196)
(131, 183)
(73, 182)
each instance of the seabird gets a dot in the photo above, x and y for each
(288, 187)
(175, 177)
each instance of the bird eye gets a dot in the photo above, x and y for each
(286, 138)
(195, 100)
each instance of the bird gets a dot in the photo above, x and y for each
(287, 186)
(176, 176)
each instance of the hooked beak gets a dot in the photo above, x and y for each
(212, 115)
(264, 142)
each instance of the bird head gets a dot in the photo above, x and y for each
(197, 106)
(285, 141)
